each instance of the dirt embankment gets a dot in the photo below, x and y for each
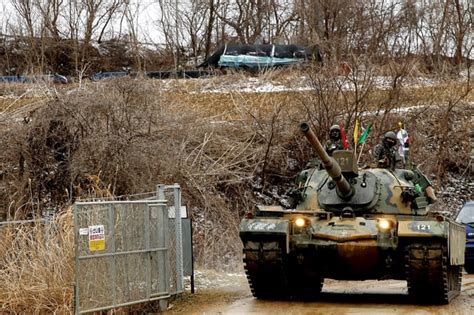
(229, 150)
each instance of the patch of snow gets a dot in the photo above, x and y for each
(300, 84)
(213, 279)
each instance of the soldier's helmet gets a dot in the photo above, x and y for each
(390, 139)
(334, 132)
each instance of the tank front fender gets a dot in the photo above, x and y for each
(422, 229)
(452, 232)
(266, 229)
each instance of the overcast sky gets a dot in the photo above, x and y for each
(147, 20)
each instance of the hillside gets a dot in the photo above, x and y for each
(231, 142)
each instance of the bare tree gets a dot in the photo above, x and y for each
(96, 12)
(387, 29)
(210, 26)
(245, 18)
(27, 16)
(461, 27)
(169, 27)
(193, 22)
(131, 15)
(50, 12)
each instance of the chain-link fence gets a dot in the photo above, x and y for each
(128, 252)
(16, 230)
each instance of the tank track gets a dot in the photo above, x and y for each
(430, 277)
(265, 270)
(272, 276)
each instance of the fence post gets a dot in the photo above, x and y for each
(160, 191)
(76, 254)
(112, 259)
(163, 257)
(179, 241)
(147, 247)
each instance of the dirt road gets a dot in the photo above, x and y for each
(229, 294)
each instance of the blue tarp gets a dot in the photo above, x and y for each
(13, 79)
(255, 61)
(56, 78)
(261, 56)
(112, 74)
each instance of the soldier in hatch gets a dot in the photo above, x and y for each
(386, 154)
(335, 141)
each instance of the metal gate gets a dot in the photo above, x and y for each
(127, 252)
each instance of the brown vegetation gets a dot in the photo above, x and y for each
(228, 151)
(125, 136)
(37, 267)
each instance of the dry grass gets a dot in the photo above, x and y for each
(37, 270)
(228, 151)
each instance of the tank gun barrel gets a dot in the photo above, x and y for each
(330, 165)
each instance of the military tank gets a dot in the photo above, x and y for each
(353, 224)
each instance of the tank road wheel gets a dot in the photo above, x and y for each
(430, 277)
(265, 269)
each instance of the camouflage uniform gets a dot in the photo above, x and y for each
(335, 141)
(331, 145)
(386, 154)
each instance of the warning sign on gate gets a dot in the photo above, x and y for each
(96, 238)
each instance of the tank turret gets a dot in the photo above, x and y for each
(344, 189)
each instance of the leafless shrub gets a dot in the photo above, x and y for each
(229, 151)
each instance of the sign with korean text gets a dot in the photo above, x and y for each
(96, 238)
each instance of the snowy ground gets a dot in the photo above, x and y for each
(243, 84)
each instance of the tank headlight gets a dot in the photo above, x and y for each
(300, 222)
(384, 224)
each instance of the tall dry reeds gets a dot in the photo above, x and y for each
(37, 267)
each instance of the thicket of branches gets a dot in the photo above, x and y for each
(228, 151)
(76, 37)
